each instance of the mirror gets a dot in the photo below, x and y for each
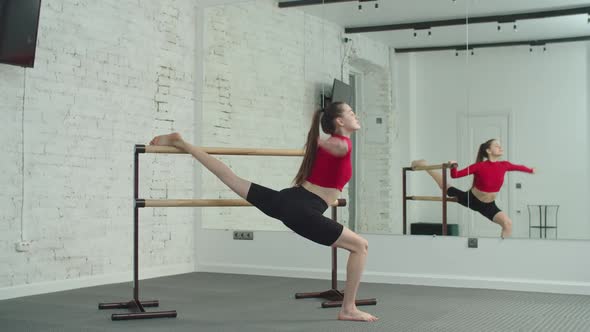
(528, 84)
(522, 73)
(433, 80)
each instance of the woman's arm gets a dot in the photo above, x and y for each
(334, 146)
(471, 169)
(520, 168)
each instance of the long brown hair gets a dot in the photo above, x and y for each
(324, 117)
(482, 153)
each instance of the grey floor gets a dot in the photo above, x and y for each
(225, 302)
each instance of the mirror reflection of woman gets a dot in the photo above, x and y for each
(488, 177)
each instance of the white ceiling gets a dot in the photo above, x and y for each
(348, 15)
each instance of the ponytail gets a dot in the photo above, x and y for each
(310, 147)
(482, 152)
(325, 118)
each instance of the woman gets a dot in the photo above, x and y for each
(325, 169)
(488, 177)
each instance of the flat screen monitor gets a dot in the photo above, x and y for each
(342, 92)
(19, 21)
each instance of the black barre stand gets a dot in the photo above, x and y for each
(135, 305)
(333, 295)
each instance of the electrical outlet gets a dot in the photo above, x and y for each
(22, 246)
(472, 242)
(243, 235)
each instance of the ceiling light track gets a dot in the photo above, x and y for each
(471, 46)
(472, 20)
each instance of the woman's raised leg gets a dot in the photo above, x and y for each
(224, 173)
(435, 174)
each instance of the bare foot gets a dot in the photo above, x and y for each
(356, 315)
(420, 162)
(167, 140)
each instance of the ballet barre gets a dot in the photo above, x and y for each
(225, 151)
(137, 306)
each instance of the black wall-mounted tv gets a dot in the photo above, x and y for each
(342, 92)
(19, 21)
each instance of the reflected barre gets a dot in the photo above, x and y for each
(225, 151)
(443, 198)
(431, 167)
(430, 198)
(141, 203)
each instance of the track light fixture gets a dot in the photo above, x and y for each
(361, 4)
(427, 31)
(514, 25)
(538, 45)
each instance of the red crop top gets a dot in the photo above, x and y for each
(489, 175)
(331, 171)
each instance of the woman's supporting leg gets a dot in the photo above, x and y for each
(358, 248)
(503, 220)
(219, 169)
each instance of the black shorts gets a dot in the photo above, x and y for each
(468, 199)
(299, 209)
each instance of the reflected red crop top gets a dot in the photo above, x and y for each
(331, 171)
(489, 175)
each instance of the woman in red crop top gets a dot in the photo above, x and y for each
(325, 169)
(488, 176)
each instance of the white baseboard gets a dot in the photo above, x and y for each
(526, 285)
(68, 284)
(543, 286)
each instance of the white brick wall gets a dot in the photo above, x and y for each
(108, 74)
(264, 70)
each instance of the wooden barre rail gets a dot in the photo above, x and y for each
(430, 198)
(430, 167)
(224, 151)
(140, 203)
(137, 306)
